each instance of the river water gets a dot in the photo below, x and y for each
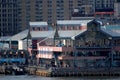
(26, 77)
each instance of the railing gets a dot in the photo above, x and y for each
(55, 49)
(81, 57)
(83, 46)
(93, 47)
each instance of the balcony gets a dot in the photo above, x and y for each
(96, 48)
(55, 49)
(80, 57)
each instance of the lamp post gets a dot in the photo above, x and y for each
(2, 39)
(75, 55)
(111, 53)
(10, 43)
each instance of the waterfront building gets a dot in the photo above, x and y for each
(82, 43)
(43, 34)
(98, 46)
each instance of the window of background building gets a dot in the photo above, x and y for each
(49, 5)
(49, 1)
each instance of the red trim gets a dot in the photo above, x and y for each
(56, 49)
(104, 12)
(116, 48)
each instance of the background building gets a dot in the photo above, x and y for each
(53, 10)
(104, 5)
(9, 17)
(16, 14)
(117, 9)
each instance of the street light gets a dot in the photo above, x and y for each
(10, 43)
(75, 55)
(2, 39)
(111, 53)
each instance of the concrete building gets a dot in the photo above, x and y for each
(53, 10)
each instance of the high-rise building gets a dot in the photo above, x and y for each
(104, 5)
(85, 7)
(52, 10)
(9, 17)
(46, 10)
(104, 8)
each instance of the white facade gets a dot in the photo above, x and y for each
(22, 44)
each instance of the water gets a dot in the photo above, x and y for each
(26, 77)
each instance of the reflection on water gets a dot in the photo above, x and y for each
(26, 77)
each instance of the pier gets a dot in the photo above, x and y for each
(66, 72)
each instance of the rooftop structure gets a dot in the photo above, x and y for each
(73, 22)
(36, 34)
(38, 24)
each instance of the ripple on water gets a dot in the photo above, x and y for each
(26, 77)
